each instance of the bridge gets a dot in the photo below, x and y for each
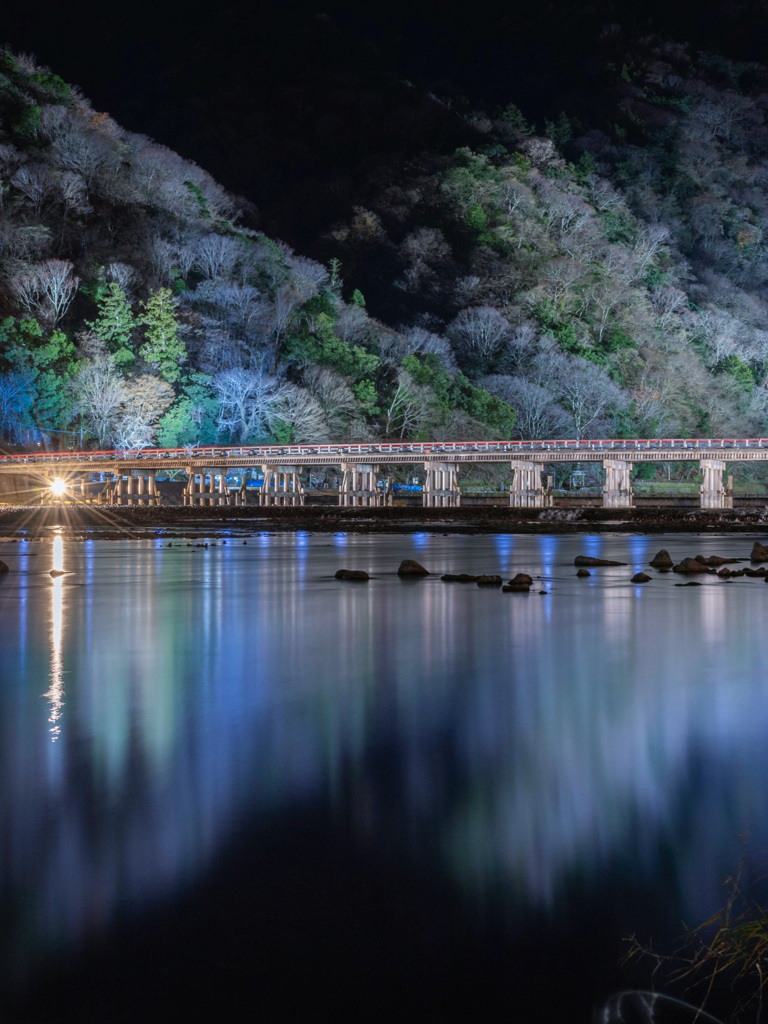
(129, 476)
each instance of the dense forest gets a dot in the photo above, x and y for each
(601, 273)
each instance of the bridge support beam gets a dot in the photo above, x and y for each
(441, 487)
(712, 493)
(359, 485)
(282, 486)
(527, 489)
(617, 490)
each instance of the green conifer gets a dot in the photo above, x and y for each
(115, 322)
(162, 346)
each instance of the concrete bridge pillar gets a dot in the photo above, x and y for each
(527, 488)
(617, 490)
(441, 486)
(359, 485)
(129, 488)
(712, 493)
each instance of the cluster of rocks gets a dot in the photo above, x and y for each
(520, 584)
(712, 565)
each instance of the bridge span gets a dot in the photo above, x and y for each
(129, 476)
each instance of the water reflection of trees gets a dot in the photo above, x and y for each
(513, 742)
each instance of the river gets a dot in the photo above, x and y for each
(227, 776)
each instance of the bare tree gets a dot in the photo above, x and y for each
(242, 305)
(523, 340)
(303, 413)
(48, 289)
(308, 277)
(408, 408)
(217, 255)
(335, 396)
(651, 242)
(538, 413)
(99, 392)
(668, 303)
(480, 330)
(250, 402)
(583, 389)
(132, 432)
(37, 183)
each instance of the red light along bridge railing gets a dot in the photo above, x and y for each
(408, 449)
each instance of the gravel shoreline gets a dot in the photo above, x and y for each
(117, 522)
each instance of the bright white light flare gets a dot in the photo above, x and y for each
(58, 487)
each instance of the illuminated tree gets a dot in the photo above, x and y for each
(115, 323)
(162, 347)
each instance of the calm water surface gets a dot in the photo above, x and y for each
(224, 774)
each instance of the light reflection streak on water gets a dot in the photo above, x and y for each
(55, 692)
(504, 542)
(639, 554)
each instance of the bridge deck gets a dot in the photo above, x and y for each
(399, 453)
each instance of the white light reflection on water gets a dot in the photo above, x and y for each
(55, 692)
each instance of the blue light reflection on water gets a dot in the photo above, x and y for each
(539, 738)
(505, 544)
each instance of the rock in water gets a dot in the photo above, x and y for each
(521, 577)
(691, 565)
(583, 572)
(718, 560)
(692, 583)
(462, 577)
(358, 575)
(489, 581)
(410, 568)
(587, 560)
(662, 560)
(640, 577)
(759, 552)
(54, 573)
(3, 568)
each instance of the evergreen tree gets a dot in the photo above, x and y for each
(162, 347)
(115, 323)
(514, 117)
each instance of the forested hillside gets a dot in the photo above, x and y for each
(607, 277)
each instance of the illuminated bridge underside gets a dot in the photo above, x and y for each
(361, 464)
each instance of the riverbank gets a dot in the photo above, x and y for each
(120, 521)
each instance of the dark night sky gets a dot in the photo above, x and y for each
(237, 85)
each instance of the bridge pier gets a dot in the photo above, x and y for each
(441, 486)
(282, 486)
(617, 490)
(359, 485)
(527, 488)
(712, 493)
